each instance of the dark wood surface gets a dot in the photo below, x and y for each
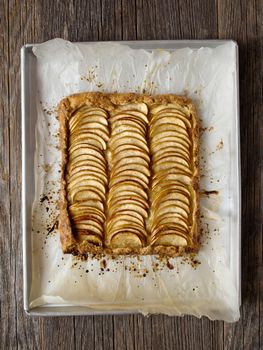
(39, 20)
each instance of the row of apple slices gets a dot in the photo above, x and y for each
(129, 179)
(171, 147)
(87, 173)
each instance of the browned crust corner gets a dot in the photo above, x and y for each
(108, 101)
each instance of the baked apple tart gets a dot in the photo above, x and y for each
(130, 174)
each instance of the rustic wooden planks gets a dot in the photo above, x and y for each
(242, 21)
(36, 21)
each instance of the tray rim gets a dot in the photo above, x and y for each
(26, 50)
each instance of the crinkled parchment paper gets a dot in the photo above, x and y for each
(203, 285)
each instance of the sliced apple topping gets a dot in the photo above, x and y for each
(129, 178)
(171, 147)
(87, 177)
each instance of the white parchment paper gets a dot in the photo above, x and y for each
(207, 284)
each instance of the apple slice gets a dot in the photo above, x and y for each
(171, 166)
(128, 124)
(168, 194)
(125, 129)
(170, 108)
(123, 178)
(97, 133)
(122, 228)
(86, 158)
(77, 192)
(163, 120)
(172, 206)
(123, 202)
(165, 173)
(89, 208)
(173, 203)
(118, 169)
(89, 182)
(132, 174)
(126, 150)
(81, 150)
(171, 134)
(90, 127)
(93, 213)
(89, 203)
(158, 146)
(87, 163)
(124, 140)
(129, 160)
(170, 240)
(99, 119)
(86, 112)
(171, 199)
(176, 157)
(76, 222)
(132, 215)
(128, 186)
(83, 236)
(90, 123)
(125, 240)
(123, 192)
(159, 156)
(88, 139)
(132, 206)
(170, 230)
(173, 177)
(164, 188)
(131, 219)
(85, 173)
(89, 227)
(138, 107)
(120, 200)
(86, 192)
(170, 219)
(121, 222)
(170, 146)
(128, 117)
(182, 208)
(130, 135)
(179, 116)
(164, 227)
(87, 146)
(182, 118)
(84, 216)
(168, 127)
(167, 208)
(172, 186)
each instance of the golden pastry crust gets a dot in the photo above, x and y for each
(109, 102)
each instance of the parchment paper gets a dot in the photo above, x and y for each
(203, 285)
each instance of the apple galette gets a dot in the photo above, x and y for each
(129, 174)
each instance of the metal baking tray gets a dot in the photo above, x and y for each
(29, 117)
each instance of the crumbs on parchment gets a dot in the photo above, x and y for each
(169, 265)
(220, 145)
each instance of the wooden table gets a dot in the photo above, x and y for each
(39, 20)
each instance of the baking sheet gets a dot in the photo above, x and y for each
(207, 284)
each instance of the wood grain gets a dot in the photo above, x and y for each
(77, 20)
(243, 22)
